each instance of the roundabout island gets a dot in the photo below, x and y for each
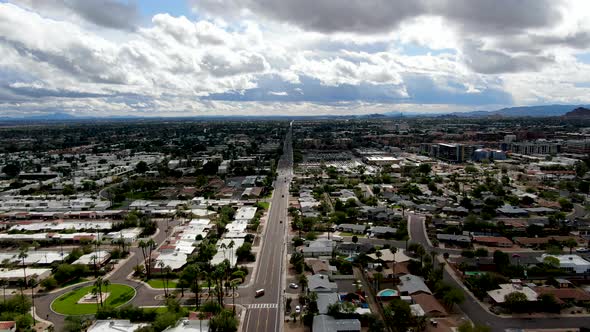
(83, 301)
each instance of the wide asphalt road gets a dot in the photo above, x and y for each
(265, 313)
(476, 312)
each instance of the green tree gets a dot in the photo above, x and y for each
(516, 301)
(565, 204)
(141, 167)
(453, 296)
(12, 170)
(467, 327)
(549, 303)
(571, 244)
(398, 316)
(225, 321)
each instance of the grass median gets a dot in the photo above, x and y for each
(67, 304)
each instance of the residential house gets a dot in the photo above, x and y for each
(411, 284)
(352, 228)
(429, 304)
(325, 323)
(320, 283)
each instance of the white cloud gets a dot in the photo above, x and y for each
(59, 54)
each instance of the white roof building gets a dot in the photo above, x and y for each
(572, 263)
(34, 257)
(101, 257)
(115, 325)
(186, 325)
(16, 274)
(499, 295)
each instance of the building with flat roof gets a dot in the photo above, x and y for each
(570, 263)
(499, 295)
(325, 323)
(115, 325)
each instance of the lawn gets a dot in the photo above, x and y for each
(67, 303)
(159, 283)
(264, 205)
(352, 234)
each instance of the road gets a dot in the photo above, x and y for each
(265, 313)
(144, 295)
(476, 312)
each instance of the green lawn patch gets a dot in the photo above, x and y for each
(159, 283)
(264, 205)
(67, 304)
(352, 234)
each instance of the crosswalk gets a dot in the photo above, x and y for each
(263, 306)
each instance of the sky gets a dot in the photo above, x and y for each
(290, 57)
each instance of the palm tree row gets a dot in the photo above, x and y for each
(147, 248)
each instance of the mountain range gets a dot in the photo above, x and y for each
(519, 111)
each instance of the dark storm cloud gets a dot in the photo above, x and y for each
(107, 13)
(372, 16)
(488, 61)
(112, 14)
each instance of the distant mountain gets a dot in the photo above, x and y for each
(524, 111)
(579, 112)
(52, 116)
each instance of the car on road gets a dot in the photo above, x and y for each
(582, 250)
(293, 285)
(259, 292)
(283, 196)
(297, 309)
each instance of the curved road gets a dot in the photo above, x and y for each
(472, 308)
(144, 295)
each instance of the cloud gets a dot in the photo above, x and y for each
(373, 16)
(489, 61)
(112, 14)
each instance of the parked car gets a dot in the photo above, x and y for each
(582, 250)
(293, 285)
(297, 309)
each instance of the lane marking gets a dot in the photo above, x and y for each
(263, 306)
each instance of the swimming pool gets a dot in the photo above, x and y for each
(387, 292)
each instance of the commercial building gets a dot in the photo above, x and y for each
(536, 147)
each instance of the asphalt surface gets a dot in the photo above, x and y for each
(145, 296)
(477, 313)
(265, 312)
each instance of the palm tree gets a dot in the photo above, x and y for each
(93, 257)
(106, 283)
(161, 265)
(32, 284)
(98, 288)
(22, 255)
(230, 246)
(393, 251)
(151, 245)
(3, 284)
(223, 247)
(201, 316)
(302, 281)
(234, 286)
